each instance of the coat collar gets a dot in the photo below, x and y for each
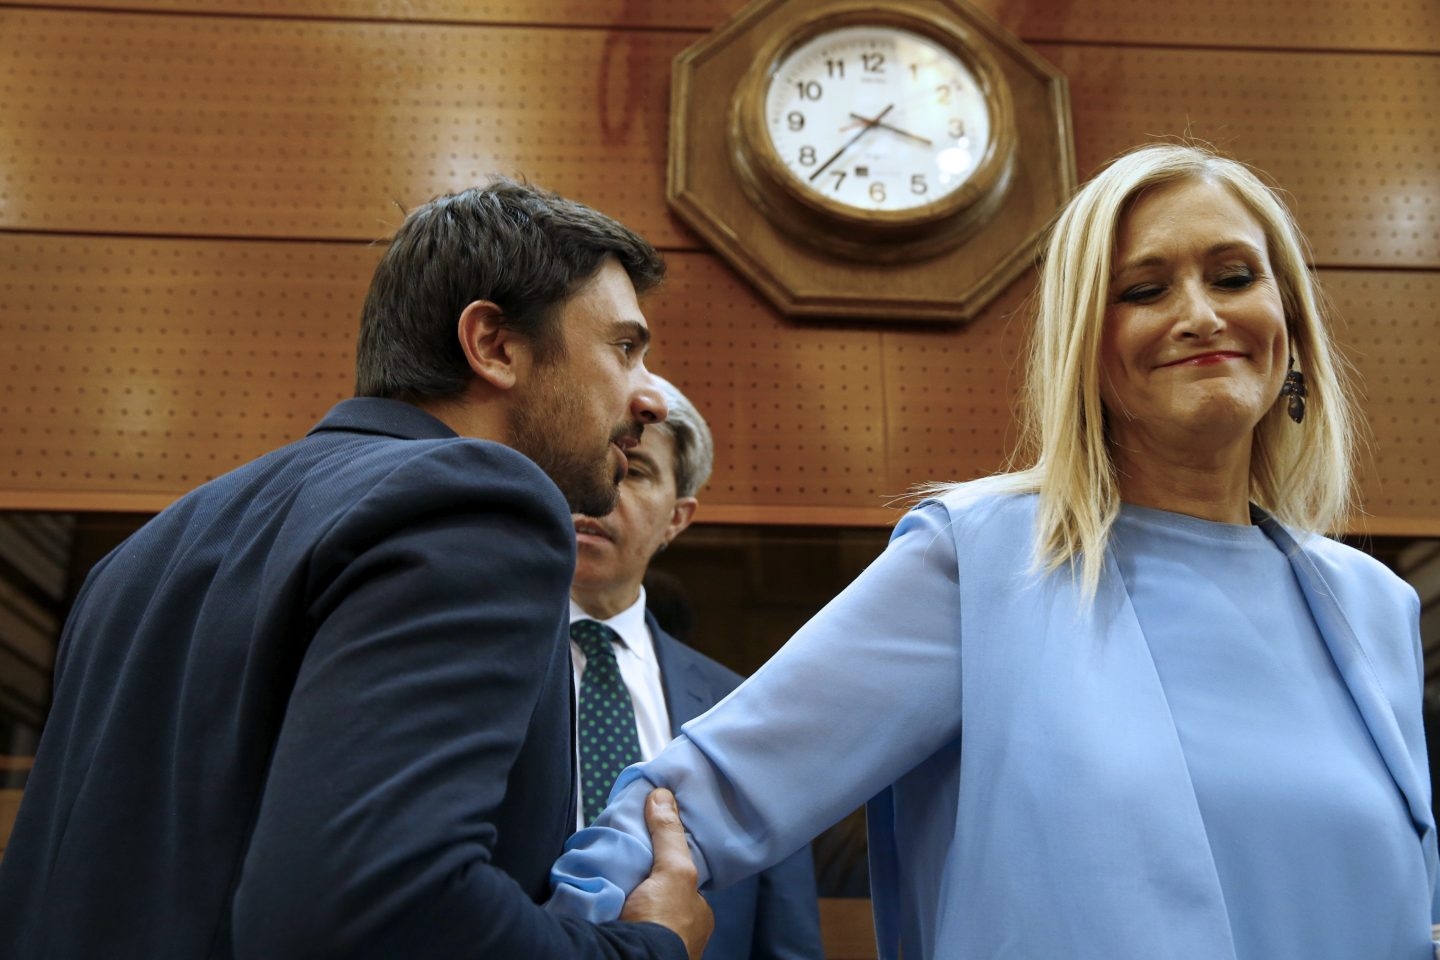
(391, 418)
(1354, 665)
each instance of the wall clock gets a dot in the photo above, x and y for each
(874, 133)
(881, 160)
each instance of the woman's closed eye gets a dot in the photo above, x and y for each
(1140, 293)
(1237, 279)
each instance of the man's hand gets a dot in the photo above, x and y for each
(668, 895)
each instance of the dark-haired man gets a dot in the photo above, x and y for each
(658, 682)
(320, 706)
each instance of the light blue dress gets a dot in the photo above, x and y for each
(1047, 779)
(1285, 772)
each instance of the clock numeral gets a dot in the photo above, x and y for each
(834, 68)
(807, 156)
(809, 89)
(957, 127)
(877, 191)
(914, 71)
(796, 121)
(874, 62)
(942, 93)
(839, 176)
(918, 184)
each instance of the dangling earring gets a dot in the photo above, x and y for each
(1294, 388)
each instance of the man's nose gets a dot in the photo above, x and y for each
(647, 403)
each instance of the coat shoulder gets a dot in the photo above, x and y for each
(1347, 568)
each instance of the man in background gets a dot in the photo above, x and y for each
(637, 684)
(320, 706)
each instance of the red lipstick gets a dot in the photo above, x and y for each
(1205, 359)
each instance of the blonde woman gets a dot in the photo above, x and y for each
(1126, 702)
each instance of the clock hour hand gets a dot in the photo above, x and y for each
(894, 129)
(869, 125)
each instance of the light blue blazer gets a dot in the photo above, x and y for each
(1029, 795)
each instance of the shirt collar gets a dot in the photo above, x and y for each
(628, 623)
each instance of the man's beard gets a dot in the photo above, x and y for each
(538, 429)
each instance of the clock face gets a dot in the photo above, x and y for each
(876, 118)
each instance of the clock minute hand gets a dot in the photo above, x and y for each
(869, 125)
(894, 129)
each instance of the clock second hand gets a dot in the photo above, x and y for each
(869, 125)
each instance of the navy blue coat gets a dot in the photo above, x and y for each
(772, 915)
(318, 707)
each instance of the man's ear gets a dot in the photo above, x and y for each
(492, 349)
(680, 518)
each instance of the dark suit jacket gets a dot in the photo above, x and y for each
(318, 707)
(772, 915)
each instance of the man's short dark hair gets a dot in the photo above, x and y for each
(523, 248)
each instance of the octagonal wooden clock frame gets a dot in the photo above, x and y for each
(813, 257)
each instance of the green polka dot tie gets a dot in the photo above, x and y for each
(608, 741)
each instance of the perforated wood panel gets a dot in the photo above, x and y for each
(238, 348)
(797, 410)
(136, 369)
(273, 128)
(1353, 139)
(950, 395)
(145, 352)
(260, 128)
(1389, 332)
(1269, 24)
(1359, 25)
(691, 14)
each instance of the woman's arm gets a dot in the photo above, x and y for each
(861, 694)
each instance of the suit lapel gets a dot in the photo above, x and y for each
(1354, 666)
(686, 693)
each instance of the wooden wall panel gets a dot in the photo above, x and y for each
(274, 128)
(138, 368)
(1388, 330)
(190, 192)
(796, 411)
(9, 809)
(1396, 25)
(1353, 139)
(142, 367)
(265, 128)
(950, 395)
(694, 15)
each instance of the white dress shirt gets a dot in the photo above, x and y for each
(640, 669)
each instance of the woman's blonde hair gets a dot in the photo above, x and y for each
(1301, 474)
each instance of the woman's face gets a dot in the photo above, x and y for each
(1194, 347)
